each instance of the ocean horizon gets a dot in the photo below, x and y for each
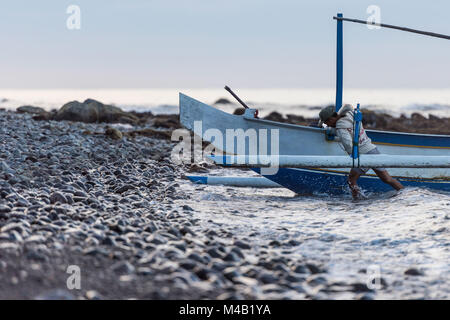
(300, 101)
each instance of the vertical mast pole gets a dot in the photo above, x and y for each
(339, 63)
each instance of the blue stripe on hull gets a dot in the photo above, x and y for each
(409, 139)
(303, 181)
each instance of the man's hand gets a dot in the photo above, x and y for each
(330, 134)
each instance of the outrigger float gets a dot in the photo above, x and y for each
(308, 159)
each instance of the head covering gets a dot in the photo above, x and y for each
(325, 114)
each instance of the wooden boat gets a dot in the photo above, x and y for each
(302, 140)
(298, 140)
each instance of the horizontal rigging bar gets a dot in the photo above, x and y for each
(426, 33)
(367, 161)
(257, 182)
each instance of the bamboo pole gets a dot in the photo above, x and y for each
(366, 161)
(256, 182)
(425, 33)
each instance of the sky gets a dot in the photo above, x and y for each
(209, 43)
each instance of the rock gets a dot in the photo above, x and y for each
(360, 287)
(113, 133)
(93, 295)
(418, 117)
(202, 273)
(4, 209)
(13, 226)
(275, 116)
(188, 264)
(15, 236)
(169, 121)
(313, 268)
(238, 252)
(414, 272)
(433, 117)
(239, 111)
(196, 257)
(268, 278)
(196, 168)
(242, 245)
(246, 281)
(294, 278)
(30, 109)
(292, 118)
(57, 197)
(93, 111)
(231, 257)
(301, 269)
(79, 193)
(35, 238)
(21, 202)
(37, 256)
(8, 246)
(274, 243)
(156, 239)
(293, 243)
(123, 267)
(123, 188)
(214, 253)
(222, 101)
(231, 273)
(44, 116)
(314, 281)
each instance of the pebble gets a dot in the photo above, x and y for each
(231, 273)
(4, 209)
(123, 267)
(57, 197)
(93, 295)
(414, 272)
(231, 256)
(242, 245)
(268, 278)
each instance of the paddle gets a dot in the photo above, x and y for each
(236, 97)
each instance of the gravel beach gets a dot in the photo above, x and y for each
(69, 198)
(117, 208)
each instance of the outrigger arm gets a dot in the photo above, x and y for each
(340, 48)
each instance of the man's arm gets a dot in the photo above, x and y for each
(346, 139)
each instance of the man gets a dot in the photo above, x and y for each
(343, 122)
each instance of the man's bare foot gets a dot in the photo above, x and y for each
(356, 192)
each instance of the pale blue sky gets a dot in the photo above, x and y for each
(209, 43)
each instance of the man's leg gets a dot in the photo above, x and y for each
(386, 178)
(353, 177)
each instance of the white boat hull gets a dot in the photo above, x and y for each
(302, 140)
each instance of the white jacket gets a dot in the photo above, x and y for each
(344, 131)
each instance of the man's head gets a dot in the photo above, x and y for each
(328, 116)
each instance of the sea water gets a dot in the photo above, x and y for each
(389, 233)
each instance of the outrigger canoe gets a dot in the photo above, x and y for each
(295, 140)
(302, 140)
